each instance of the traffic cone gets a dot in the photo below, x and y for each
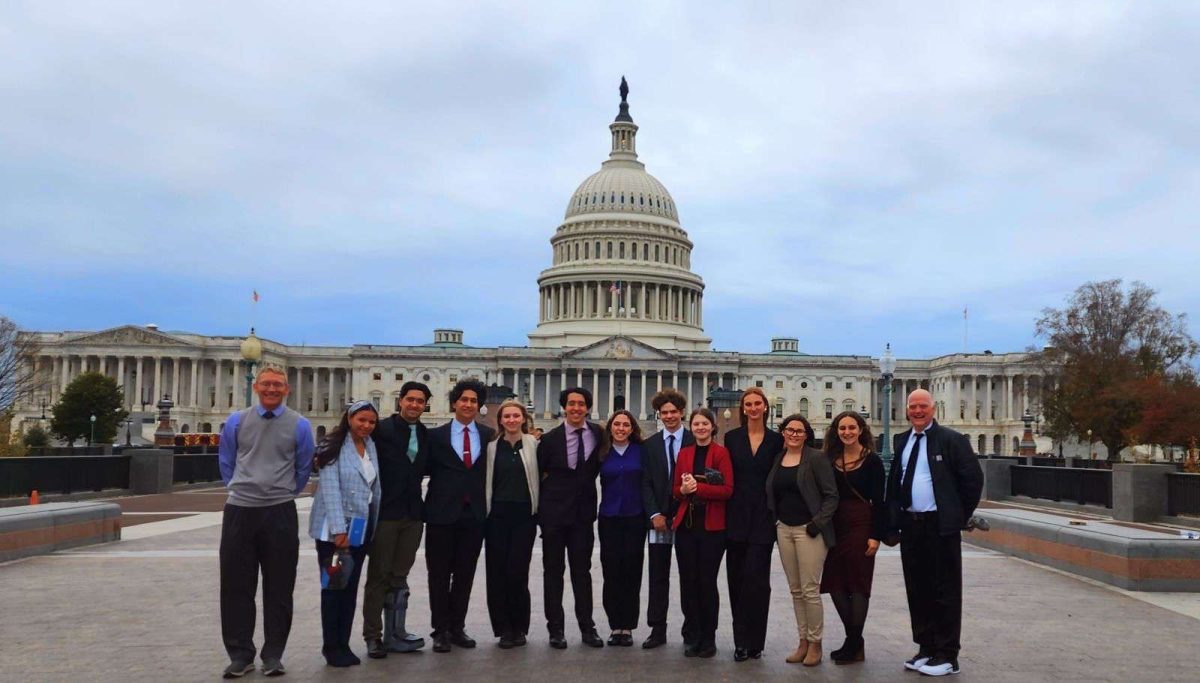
(33, 497)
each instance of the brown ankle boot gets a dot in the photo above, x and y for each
(813, 656)
(798, 656)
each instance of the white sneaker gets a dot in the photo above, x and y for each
(939, 667)
(916, 662)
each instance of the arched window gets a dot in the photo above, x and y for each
(576, 251)
(848, 405)
(622, 197)
(641, 200)
(656, 252)
(1016, 445)
(587, 250)
(621, 245)
(183, 429)
(997, 444)
(207, 427)
(829, 409)
(804, 407)
(610, 250)
(645, 251)
(982, 445)
(633, 250)
(597, 248)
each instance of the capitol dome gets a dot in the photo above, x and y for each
(621, 260)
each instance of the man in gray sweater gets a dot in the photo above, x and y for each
(265, 458)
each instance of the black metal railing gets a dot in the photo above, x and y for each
(1083, 486)
(191, 468)
(1183, 494)
(63, 474)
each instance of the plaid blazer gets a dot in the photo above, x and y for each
(343, 492)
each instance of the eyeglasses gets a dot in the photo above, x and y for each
(794, 432)
(272, 385)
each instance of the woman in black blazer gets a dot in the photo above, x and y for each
(802, 494)
(750, 528)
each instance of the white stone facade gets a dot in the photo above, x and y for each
(621, 226)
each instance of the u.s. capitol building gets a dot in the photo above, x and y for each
(621, 312)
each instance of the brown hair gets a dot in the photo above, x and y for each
(752, 391)
(834, 448)
(810, 437)
(706, 414)
(669, 396)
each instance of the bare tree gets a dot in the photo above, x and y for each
(18, 379)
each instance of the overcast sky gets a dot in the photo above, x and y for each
(851, 173)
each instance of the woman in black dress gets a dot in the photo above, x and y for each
(749, 525)
(858, 524)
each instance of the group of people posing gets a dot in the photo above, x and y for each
(679, 488)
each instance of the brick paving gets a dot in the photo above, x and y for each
(146, 608)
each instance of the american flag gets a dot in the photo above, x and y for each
(255, 296)
(616, 287)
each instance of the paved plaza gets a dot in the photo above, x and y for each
(145, 608)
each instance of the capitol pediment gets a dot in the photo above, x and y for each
(618, 348)
(128, 335)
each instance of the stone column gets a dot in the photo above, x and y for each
(141, 376)
(121, 379)
(599, 300)
(218, 395)
(65, 366)
(157, 379)
(316, 390)
(1024, 394)
(332, 403)
(612, 398)
(974, 399)
(1008, 397)
(194, 387)
(300, 405)
(175, 393)
(987, 408)
(642, 406)
(658, 375)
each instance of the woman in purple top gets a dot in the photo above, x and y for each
(622, 526)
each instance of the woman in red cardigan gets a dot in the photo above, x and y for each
(702, 482)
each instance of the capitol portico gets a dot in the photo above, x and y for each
(620, 313)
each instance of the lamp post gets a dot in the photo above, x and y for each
(42, 403)
(887, 369)
(128, 425)
(1091, 453)
(252, 354)
(92, 438)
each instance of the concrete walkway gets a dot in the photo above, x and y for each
(145, 608)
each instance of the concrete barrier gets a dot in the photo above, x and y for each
(1133, 557)
(39, 529)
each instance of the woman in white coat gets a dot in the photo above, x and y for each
(344, 514)
(511, 526)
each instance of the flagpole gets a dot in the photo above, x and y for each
(966, 328)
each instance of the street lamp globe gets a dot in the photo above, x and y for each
(887, 362)
(251, 348)
(887, 369)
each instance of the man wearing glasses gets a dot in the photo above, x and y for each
(265, 458)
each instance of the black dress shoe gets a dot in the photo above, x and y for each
(441, 642)
(591, 638)
(518, 640)
(691, 649)
(706, 651)
(375, 649)
(460, 638)
(506, 642)
(558, 641)
(755, 654)
(740, 654)
(626, 640)
(656, 639)
(614, 640)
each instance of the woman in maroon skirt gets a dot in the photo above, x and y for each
(858, 526)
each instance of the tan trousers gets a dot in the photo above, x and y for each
(803, 559)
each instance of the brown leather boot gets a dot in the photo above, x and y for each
(798, 656)
(813, 656)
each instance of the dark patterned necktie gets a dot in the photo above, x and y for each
(910, 472)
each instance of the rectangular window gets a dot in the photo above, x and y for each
(377, 376)
(778, 384)
(829, 385)
(758, 383)
(453, 379)
(828, 411)
(399, 376)
(849, 385)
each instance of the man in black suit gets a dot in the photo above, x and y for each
(658, 467)
(402, 443)
(933, 488)
(569, 460)
(455, 507)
